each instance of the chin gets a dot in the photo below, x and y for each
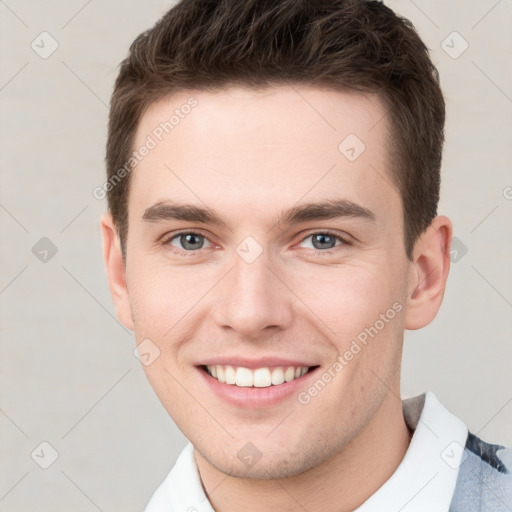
(269, 461)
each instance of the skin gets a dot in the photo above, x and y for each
(248, 155)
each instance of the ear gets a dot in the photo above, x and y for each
(116, 270)
(429, 272)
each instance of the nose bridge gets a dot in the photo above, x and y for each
(254, 298)
(251, 279)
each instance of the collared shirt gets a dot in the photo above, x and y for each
(445, 469)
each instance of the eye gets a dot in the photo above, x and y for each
(322, 241)
(189, 241)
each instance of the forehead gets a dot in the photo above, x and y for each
(248, 148)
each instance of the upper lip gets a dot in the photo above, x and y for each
(261, 362)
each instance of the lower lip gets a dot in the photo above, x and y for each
(252, 397)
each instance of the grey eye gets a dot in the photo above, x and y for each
(321, 241)
(188, 241)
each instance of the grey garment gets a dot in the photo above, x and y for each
(484, 483)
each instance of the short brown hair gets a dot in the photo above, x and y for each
(342, 44)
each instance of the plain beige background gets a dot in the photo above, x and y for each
(68, 374)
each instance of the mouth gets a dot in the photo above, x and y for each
(255, 383)
(263, 377)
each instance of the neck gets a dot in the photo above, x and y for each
(341, 483)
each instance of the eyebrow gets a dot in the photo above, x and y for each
(325, 210)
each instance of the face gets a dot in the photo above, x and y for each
(265, 247)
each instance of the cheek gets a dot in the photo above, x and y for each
(161, 295)
(351, 298)
(360, 309)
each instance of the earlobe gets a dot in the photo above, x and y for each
(116, 270)
(429, 272)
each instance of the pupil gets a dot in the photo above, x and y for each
(323, 241)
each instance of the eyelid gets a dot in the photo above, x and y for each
(344, 239)
(173, 234)
(167, 237)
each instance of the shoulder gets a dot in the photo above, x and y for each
(489, 454)
(484, 481)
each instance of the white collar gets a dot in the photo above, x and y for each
(182, 490)
(424, 481)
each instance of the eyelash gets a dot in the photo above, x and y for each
(345, 241)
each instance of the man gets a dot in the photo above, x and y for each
(273, 180)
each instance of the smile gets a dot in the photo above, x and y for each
(259, 378)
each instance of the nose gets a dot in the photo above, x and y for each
(254, 301)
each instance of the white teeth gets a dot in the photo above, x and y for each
(244, 377)
(277, 376)
(229, 375)
(289, 374)
(260, 378)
